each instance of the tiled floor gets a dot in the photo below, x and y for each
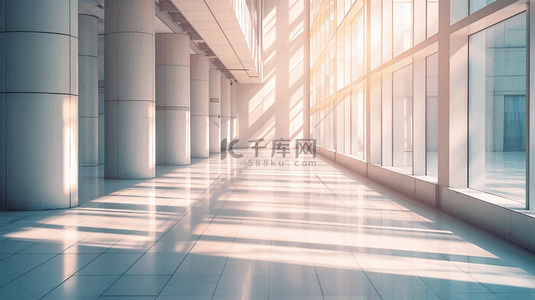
(226, 230)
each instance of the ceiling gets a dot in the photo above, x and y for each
(214, 29)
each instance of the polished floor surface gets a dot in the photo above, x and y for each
(247, 229)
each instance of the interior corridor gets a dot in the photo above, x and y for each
(221, 229)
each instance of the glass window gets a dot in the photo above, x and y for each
(402, 118)
(340, 13)
(387, 30)
(476, 5)
(402, 26)
(458, 10)
(347, 54)
(357, 126)
(432, 17)
(347, 124)
(340, 134)
(331, 123)
(375, 37)
(332, 66)
(497, 109)
(332, 18)
(322, 125)
(340, 62)
(432, 116)
(357, 47)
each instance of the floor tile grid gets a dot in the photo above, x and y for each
(200, 235)
(425, 281)
(198, 200)
(334, 194)
(252, 184)
(28, 271)
(324, 189)
(318, 191)
(298, 222)
(214, 184)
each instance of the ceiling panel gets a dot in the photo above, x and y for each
(216, 23)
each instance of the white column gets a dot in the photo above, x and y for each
(215, 111)
(88, 90)
(233, 120)
(172, 99)
(130, 76)
(200, 99)
(225, 109)
(38, 104)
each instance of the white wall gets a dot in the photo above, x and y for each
(278, 108)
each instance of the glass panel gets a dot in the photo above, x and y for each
(387, 30)
(332, 18)
(347, 54)
(357, 47)
(476, 5)
(322, 126)
(331, 124)
(357, 124)
(432, 115)
(458, 10)
(432, 17)
(332, 66)
(402, 26)
(419, 23)
(340, 13)
(340, 141)
(347, 124)
(402, 118)
(375, 37)
(497, 109)
(340, 62)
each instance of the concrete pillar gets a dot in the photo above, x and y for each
(88, 90)
(172, 99)
(215, 111)
(200, 99)
(38, 104)
(129, 96)
(225, 109)
(101, 102)
(233, 120)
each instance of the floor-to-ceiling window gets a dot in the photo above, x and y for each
(497, 109)
(402, 118)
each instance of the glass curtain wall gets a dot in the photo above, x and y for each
(350, 62)
(338, 35)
